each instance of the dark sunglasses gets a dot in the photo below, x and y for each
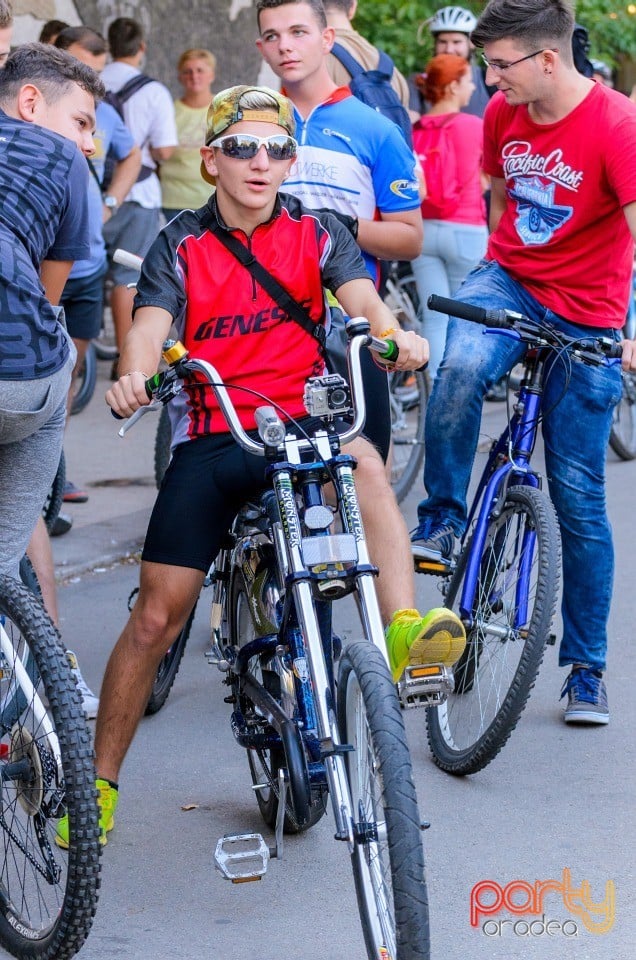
(245, 146)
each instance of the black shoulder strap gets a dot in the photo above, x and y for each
(91, 167)
(269, 283)
(133, 85)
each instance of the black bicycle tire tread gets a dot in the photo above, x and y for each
(492, 741)
(55, 497)
(83, 879)
(88, 381)
(159, 695)
(163, 440)
(414, 465)
(406, 853)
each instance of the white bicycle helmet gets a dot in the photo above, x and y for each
(453, 20)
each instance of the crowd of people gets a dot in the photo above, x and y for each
(501, 200)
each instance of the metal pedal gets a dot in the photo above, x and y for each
(425, 685)
(241, 857)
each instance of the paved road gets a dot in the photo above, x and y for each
(556, 798)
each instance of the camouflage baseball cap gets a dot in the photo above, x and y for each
(227, 109)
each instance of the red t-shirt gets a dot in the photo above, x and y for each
(563, 235)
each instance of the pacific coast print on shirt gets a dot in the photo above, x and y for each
(532, 180)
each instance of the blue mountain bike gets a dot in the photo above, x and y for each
(504, 581)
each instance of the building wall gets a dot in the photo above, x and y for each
(227, 27)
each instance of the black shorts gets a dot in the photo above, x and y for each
(83, 302)
(206, 484)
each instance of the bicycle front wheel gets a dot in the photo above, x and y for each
(48, 895)
(388, 859)
(507, 630)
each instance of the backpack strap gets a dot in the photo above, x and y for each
(133, 85)
(348, 61)
(351, 65)
(385, 64)
(269, 283)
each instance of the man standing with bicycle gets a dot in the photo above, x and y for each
(225, 315)
(563, 221)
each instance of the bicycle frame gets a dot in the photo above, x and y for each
(508, 463)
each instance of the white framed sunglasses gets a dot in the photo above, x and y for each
(245, 146)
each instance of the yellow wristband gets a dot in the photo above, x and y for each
(387, 333)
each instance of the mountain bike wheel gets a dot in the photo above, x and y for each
(55, 496)
(388, 859)
(264, 763)
(48, 896)
(168, 669)
(84, 384)
(106, 342)
(163, 439)
(623, 432)
(408, 397)
(507, 630)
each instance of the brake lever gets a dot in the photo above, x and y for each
(138, 414)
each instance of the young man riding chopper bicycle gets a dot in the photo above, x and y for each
(189, 277)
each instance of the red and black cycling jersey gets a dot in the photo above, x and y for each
(224, 316)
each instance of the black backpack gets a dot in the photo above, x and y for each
(374, 88)
(117, 99)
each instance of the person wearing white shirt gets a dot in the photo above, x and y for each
(149, 115)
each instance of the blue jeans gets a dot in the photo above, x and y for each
(576, 426)
(449, 253)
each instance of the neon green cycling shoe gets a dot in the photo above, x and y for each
(107, 797)
(439, 637)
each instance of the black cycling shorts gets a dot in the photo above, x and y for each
(207, 482)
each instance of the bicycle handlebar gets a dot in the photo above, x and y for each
(592, 350)
(161, 387)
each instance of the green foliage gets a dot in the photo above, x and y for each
(400, 28)
(611, 27)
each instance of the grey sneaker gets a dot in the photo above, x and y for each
(587, 697)
(433, 542)
(89, 701)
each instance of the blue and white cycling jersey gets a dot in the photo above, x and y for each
(353, 160)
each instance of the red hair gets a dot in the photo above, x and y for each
(440, 72)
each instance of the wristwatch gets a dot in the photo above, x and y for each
(111, 203)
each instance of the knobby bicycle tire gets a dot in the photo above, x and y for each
(163, 439)
(48, 895)
(622, 437)
(168, 669)
(85, 382)
(388, 869)
(264, 764)
(55, 496)
(499, 666)
(13, 701)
